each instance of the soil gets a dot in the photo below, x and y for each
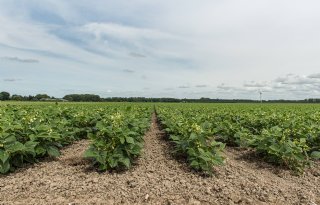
(158, 178)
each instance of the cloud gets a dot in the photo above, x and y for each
(136, 55)
(183, 86)
(20, 60)
(201, 86)
(119, 31)
(11, 79)
(315, 75)
(128, 71)
(224, 87)
(254, 84)
(297, 80)
(144, 77)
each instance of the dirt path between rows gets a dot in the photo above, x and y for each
(157, 178)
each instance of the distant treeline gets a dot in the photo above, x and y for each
(96, 98)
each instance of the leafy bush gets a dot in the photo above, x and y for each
(119, 139)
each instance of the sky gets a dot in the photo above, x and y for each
(170, 48)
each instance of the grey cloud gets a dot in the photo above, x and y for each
(301, 81)
(297, 80)
(315, 75)
(128, 71)
(11, 79)
(184, 86)
(20, 60)
(296, 84)
(137, 55)
(254, 84)
(279, 86)
(144, 77)
(224, 87)
(201, 86)
(281, 79)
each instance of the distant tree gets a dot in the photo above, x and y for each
(30, 97)
(82, 98)
(41, 96)
(4, 96)
(17, 97)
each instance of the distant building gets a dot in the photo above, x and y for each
(53, 100)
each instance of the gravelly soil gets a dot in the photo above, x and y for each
(158, 178)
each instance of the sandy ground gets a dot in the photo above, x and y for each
(158, 178)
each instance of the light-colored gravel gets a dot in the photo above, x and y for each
(157, 178)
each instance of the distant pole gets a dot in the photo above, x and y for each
(260, 96)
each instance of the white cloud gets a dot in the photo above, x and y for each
(20, 60)
(254, 84)
(100, 30)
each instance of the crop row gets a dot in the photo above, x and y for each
(29, 133)
(283, 135)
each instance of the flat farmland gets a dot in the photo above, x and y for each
(159, 153)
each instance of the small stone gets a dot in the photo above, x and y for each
(110, 201)
(208, 190)
(235, 198)
(132, 183)
(146, 197)
(194, 202)
(167, 183)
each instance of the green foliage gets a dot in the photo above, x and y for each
(119, 138)
(193, 140)
(31, 132)
(315, 155)
(287, 135)
(280, 149)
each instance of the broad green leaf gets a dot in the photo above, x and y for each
(3, 156)
(122, 140)
(194, 163)
(174, 138)
(193, 136)
(9, 140)
(89, 153)
(315, 155)
(130, 140)
(30, 146)
(53, 151)
(15, 147)
(126, 162)
(40, 150)
(4, 167)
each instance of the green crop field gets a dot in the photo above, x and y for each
(30, 131)
(282, 134)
